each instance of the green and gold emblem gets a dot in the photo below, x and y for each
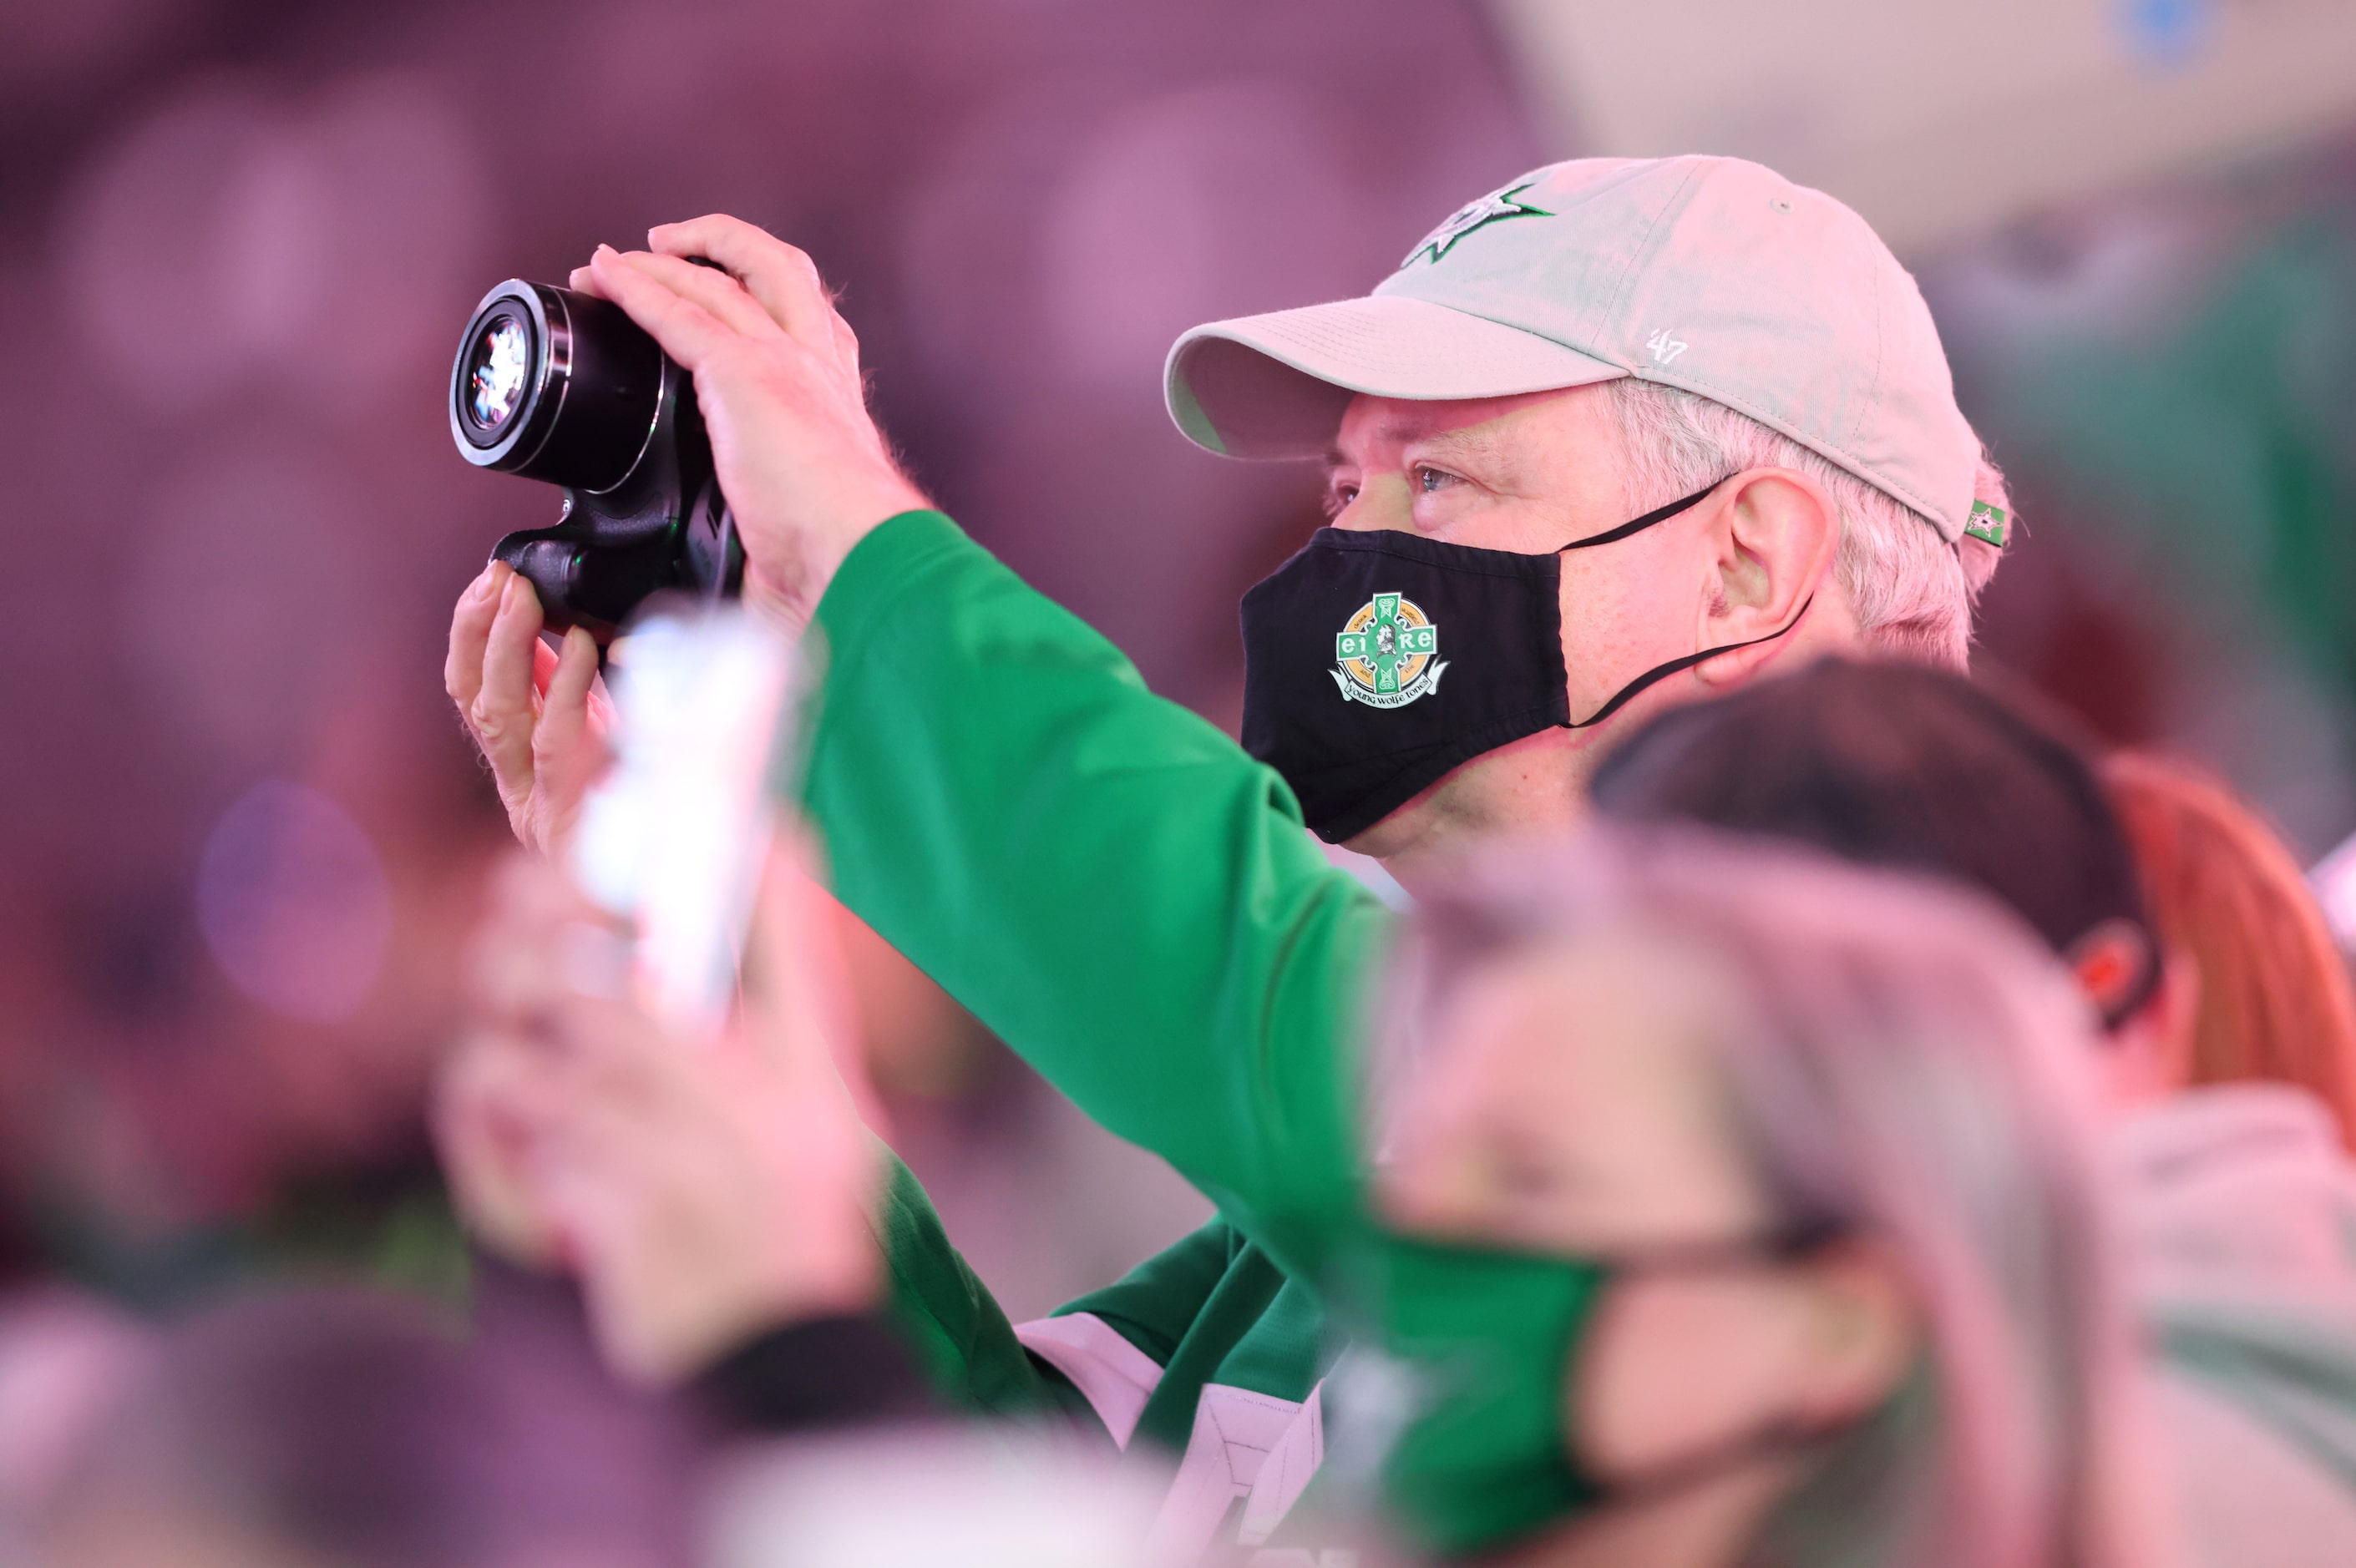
(1387, 654)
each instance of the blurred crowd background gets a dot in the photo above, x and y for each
(242, 836)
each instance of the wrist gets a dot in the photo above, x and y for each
(799, 1282)
(857, 516)
(791, 584)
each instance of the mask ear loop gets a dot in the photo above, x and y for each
(1662, 672)
(1657, 514)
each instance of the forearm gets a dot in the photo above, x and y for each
(1104, 879)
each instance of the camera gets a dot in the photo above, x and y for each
(562, 386)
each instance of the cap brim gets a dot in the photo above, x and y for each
(1275, 385)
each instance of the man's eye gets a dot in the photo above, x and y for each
(1338, 499)
(1429, 479)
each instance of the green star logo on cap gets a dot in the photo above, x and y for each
(1988, 523)
(1386, 655)
(1473, 215)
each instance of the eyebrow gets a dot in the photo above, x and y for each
(1468, 440)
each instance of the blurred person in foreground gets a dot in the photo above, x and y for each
(1615, 436)
(1746, 1202)
(2239, 1203)
(2275, 1002)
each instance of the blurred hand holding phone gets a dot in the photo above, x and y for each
(691, 1150)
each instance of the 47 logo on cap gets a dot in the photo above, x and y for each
(1388, 655)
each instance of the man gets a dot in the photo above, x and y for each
(1618, 435)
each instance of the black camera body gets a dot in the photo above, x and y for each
(562, 386)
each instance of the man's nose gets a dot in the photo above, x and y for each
(1384, 501)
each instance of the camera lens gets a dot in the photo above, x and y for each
(499, 367)
(557, 386)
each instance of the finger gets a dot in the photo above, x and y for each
(544, 669)
(537, 973)
(565, 747)
(530, 893)
(542, 944)
(502, 711)
(515, 976)
(782, 278)
(614, 1046)
(470, 627)
(528, 954)
(600, 711)
(566, 680)
(568, 743)
(687, 331)
(583, 280)
(716, 292)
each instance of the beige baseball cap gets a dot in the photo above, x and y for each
(1711, 274)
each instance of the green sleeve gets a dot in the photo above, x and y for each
(957, 1326)
(1154, 1305)
(1105, 880)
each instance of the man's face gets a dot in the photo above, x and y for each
(1527, 473)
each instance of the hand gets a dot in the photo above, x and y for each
(806, 472)
(704, 1189)
(538, 717)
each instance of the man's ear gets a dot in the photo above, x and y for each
(1774, 533)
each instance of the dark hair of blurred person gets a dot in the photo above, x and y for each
(2274, 1001)
(342, 1427)
(2241, 1201)
(1818, 1144)
(1891, 763)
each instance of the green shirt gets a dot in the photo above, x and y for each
(1132, 904)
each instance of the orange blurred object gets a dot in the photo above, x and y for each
(2276, 1001)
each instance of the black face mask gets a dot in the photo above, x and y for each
(1343, 664)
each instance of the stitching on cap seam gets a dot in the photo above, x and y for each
(1611, 305)
(1880, 352)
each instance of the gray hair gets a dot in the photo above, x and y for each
(1912, 591)
(1911, 1066)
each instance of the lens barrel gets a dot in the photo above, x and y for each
(555, 385)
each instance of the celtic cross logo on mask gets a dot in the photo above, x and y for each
(1388, 655)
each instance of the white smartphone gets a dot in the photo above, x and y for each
(674, 836)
